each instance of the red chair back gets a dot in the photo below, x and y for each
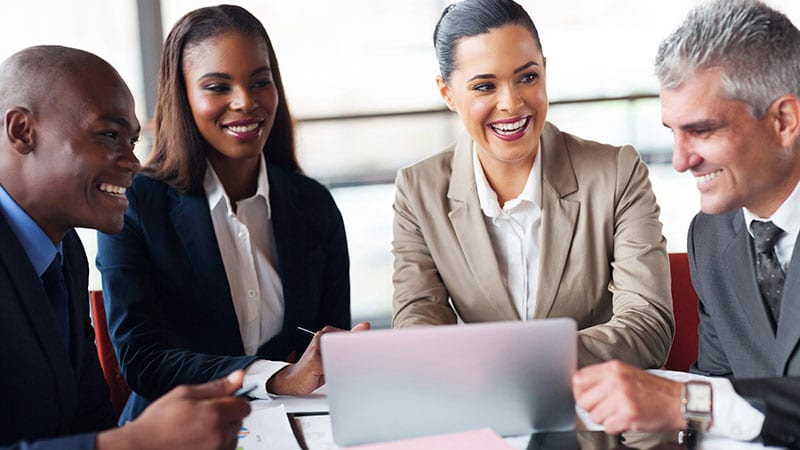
(684, 302)
(120, 391)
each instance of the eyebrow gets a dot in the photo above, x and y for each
(226, 76)
(122, 122)
(700, 124)
(483, 76)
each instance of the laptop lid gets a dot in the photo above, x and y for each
(513, 377)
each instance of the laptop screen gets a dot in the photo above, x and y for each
(513, 377)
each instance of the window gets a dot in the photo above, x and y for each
(359, 76)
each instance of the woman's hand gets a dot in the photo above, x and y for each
(306, 375)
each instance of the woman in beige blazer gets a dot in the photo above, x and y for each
(518, 220)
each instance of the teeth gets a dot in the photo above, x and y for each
(708, 177)
(243, 128)
(111, 189)
(508, 128)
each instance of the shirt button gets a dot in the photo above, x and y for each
(242, 235)
(251, 293)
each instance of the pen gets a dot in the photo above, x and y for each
(307, 331)
(244, 390)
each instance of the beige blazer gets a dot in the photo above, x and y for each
(603, 260)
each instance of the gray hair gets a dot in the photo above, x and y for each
(757, 48)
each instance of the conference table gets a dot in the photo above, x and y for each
(313, 433)
(308, 427)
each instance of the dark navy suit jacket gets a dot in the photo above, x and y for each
(168, 301)
(56, 399)
(736, 337)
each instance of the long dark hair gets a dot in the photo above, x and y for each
(179, 150)
(471, 18)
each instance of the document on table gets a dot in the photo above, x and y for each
(483, 439)
(315, 402)
(267, 429)
(318, 435)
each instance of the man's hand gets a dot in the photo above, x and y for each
(622, 398)
(203, 416)
(306, 375)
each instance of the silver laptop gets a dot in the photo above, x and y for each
(513, 377)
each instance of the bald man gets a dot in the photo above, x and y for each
(66, 158)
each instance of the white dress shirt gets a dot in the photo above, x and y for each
(515, 232)
(787, 218)
(247, 246)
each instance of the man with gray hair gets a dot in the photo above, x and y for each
(730, 93)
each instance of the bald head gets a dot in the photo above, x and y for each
(38, 75)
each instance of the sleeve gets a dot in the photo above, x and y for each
(779, 398)
(94, 410)
(142, 335)
(711, 359)
(259, 373)
(641, 328)
(420, 297)
(733, 416)
(74, 442)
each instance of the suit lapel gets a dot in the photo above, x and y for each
(559, 217)
(291, 244)
(788, 335)
(467, 220)
(738, 260)
(191, 219)
(34, 301)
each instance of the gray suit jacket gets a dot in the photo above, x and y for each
(735, 334)
(603, 258)
(736, 338)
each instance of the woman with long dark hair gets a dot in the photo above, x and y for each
(227, 247)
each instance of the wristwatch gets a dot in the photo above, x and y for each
(697, 404)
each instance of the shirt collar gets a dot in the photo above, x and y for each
(34, 240)
(216, 195)
(786, 217)
(532, 192)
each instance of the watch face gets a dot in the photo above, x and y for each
(698, 398)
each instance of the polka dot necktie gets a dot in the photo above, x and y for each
(769, 273)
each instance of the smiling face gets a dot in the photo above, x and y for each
(498, 89)
(737, 159)
(232, 96)
(81, 158)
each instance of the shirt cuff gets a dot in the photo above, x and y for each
(734, 417)
(260, 371)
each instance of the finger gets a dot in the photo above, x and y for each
(587, 378)
(236, 378)
(230, 410)
(217, 388)
(328, 329)
(590, 397)
(362, 326)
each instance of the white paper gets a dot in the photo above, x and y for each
(316, 402)
(317, 432)
(267, 428)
